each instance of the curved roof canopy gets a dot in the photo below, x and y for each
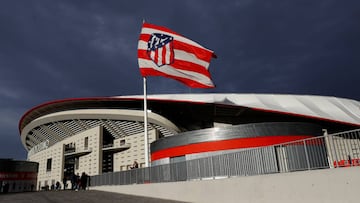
(185, 112)
(333, 109)
(320, 107)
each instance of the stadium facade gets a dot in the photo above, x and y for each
(106, 134)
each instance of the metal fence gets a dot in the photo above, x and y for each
(328, 151)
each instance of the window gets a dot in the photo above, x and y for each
(48, 164)
(86, 142)
(122, 142)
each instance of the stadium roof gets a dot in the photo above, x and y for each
(173, 113)
(334, 109)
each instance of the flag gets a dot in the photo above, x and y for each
(163, 52)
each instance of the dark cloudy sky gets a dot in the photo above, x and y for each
(53, 50)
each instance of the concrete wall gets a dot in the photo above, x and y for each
(54, 153)
(327, 185)
(123, 160)
(91, 163)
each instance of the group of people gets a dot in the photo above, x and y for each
(77, 182)
(80, 182)
(57, 186)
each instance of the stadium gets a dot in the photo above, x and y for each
(106, 134)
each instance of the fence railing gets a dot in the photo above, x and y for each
(328, 151)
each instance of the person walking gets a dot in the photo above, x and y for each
(64, 182)
(83, 180)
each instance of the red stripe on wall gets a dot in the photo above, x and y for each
(239, 143)
(18, 176)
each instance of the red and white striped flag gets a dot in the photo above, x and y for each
(163, 52)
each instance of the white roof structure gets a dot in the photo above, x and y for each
(322, 107)
(121, 115)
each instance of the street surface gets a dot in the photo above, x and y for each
(88, 196)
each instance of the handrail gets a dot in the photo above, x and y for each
(327, 151)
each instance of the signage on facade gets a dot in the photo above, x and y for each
(39, 147)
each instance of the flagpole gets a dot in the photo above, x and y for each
(146, 137)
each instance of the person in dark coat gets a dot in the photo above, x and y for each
(83, 180)
(57, 185)
(64, 182)
(6, 188)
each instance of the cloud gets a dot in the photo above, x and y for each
(10, 144)
(66, 49)
(6, 93)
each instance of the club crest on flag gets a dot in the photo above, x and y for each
(160, 49)
(163, 52)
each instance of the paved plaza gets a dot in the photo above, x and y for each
(88, 196)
